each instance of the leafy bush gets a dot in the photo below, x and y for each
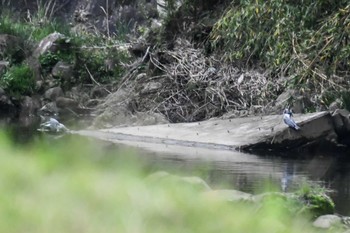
(94, 61)
(18, 80)
(315, 199)
(49, 60)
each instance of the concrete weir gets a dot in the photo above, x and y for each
(244, 134)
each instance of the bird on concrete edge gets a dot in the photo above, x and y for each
(288, 120)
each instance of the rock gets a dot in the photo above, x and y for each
(39, 86)
(230, 195)
(327, 221)
(7, 108)
(341, 121)
(99, 92)
(29, 106)
(335, 105)
(291, 98)
(49, 109)
(63, 71)
(191, 182)
(50, 43)
(53, 93)
(66, 103)
(346, 221)
(3, 66)
(11, 48)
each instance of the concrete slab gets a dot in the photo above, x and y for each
(216, 133)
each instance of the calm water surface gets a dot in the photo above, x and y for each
(252, 173)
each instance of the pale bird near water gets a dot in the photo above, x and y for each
(288, 120)
(52, 125)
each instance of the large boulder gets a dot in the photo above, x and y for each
(66, 103)
(53, 93)
(51, 43)
(63, 71)
(327, 221)
(341, 120)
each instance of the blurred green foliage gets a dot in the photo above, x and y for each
(74, 186)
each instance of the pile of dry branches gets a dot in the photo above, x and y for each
(195, 87)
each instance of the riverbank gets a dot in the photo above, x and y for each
(171, 61)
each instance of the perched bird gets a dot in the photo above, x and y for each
(288, 120)
(52, 125)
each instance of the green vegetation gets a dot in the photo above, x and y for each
(62, 186)
(18, 80)
(306, 39)
(102, 63)
(92, 49)
(314, 199)
(32, 31)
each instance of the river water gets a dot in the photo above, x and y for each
(250, 173)
(224, 169)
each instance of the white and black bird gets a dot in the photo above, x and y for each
(288, 120)
(53, 126)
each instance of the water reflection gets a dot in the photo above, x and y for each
(250, 173)
(288, 175)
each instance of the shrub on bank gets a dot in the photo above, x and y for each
(18, 80)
